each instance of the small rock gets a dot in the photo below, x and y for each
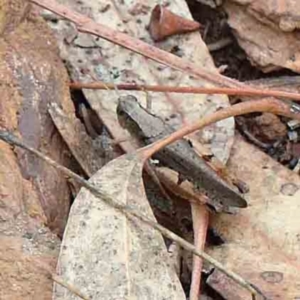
(269, 127)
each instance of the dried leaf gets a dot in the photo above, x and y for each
(79, 143)
(262, 241)
(164, 23)
(106, 255)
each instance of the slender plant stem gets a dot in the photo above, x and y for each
(69, 286)
(87, 25)
(264, 105)
(246, 91)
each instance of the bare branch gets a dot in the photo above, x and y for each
(246, 91)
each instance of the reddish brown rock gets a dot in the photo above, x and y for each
(34, 198)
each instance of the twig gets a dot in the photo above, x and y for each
(87, 25)
(246, 91)
(220, 44)
(68, 286)
(244, 131)
(264, 105)
(130, 214)
(60, 281)
(200, 223)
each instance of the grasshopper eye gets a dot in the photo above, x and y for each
(120, 111)
(122, 116)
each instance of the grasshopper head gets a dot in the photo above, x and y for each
(126, 106)
(127, 109)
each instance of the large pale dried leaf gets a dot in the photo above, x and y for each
(263, 240)
(92, 58)
(258, 28)
(109, 257)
